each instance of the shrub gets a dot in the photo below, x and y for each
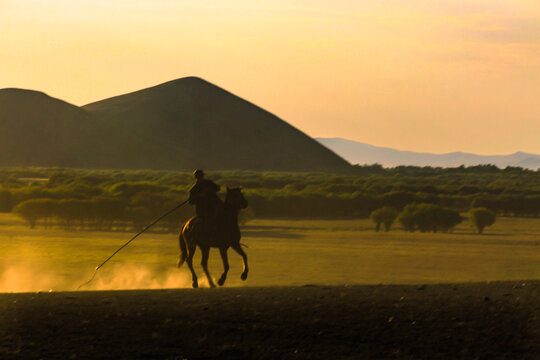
(428, 217)
(481, 217)
(407, 217)
(36, 209)
(385, 215)
(448, 219)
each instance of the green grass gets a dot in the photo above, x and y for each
(281, 252)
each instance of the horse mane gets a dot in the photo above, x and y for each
(227, 209)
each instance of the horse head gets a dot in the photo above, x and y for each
(235, 198)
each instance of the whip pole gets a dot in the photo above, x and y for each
(130, 240)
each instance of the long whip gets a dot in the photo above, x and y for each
(130, 240)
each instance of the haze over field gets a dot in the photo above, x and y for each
(417, 75)
(280, 253)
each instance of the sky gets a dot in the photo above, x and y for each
(429, 76)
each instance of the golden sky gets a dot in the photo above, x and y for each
(431, 76)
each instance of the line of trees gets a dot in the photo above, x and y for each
(429, 217)
(276, 203)
(99, 214)
(507, 192)
(305, 204)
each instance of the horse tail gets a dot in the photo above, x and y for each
(183, 248)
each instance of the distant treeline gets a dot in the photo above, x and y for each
(116, 199)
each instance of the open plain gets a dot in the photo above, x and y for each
(320, 289)
(468, 321)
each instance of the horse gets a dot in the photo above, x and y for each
(223, 235)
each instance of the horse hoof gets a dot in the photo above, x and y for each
(195, 285)
(243, 276)
(221, 282)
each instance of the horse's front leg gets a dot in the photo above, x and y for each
(204, 262)
(189, 260)
(240, 251)
(224, 257)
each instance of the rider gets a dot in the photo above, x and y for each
(204, 196)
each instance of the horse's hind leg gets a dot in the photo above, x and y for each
(204, 263)
(183, 251)
(224, 257)
(240, 251)
(189, 260)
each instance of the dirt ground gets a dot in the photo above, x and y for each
(499, 320)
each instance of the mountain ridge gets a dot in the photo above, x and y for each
(362, 153)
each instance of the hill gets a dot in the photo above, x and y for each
(38, 130)
(182, 124)
(360, 153)
(189, 123)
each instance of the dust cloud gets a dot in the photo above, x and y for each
(29, 278)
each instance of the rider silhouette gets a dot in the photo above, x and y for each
(204, 196)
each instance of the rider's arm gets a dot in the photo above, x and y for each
(193, 194)
(213, 187)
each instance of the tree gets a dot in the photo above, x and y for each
(397, 199)
(6, 202)
(428, 217)
(492, 203)
(28, 212)
(139, 217)
(481, 217)
(35, 210)
(407, 217)
(448, 219)
(385, 215)
(107, 211)
(425, 217)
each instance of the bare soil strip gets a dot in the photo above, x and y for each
(468, 321)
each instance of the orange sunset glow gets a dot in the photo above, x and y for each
(431, 76)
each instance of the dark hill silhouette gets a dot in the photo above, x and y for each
(38, 130)
(189, 123)
(182, 124)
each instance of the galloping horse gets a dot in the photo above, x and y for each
(223, 235)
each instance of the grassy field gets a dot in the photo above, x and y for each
(281, 252)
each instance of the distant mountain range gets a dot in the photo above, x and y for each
(360, 153)
(182, 124)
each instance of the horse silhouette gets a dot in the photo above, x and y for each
(223, 234)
